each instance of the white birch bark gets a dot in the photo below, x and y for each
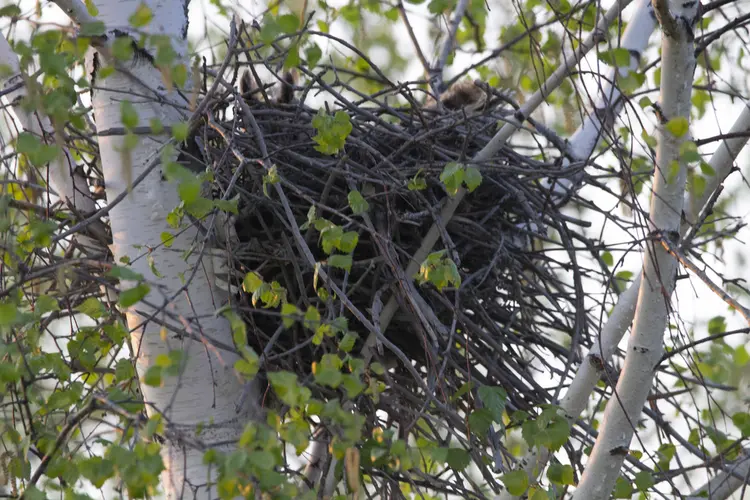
(721, 162)
(583, 143)
(207, 388)
(576, 398)
(68, 185)
(724, 484)
(659, 268)
(609, 100)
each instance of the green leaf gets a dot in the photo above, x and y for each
(494, 399)
(352, 385)
(252, 282)
(742, 421)
(674, 170)
(666, 453)
(458, 458)
(440, 6)
(332, 131)
(516, 482)
(9, 314)
(10, 11)
(741, 356)
(648, 139)
(465, 387)
(707, 169)
(122, 49)
(623, 488)
(133, 295)
(328, 370)
(293, 59)
(624, 276)
(124, 273)
(141, 17)
(247, 368)
(9, 373)
(153, 376)
(341, 261)
(180, 131)
(238, 327)
(619, 57)
(167, 239)
(189, 192)
(697, 185)
(229, 206)
(560, 474)
(38, 153)
(270, 29)
(289, 313)
(33, 493)
(357, 202)
(417, 183)
(472, 178)
(59, 400)
(313, 55)
(288, 389)
(678, 126)
(289, 23)
(644, 480)
(45, 304)
(96, 28)
(124, 370)
(689, 152)
(347, 342)
(199, 207)
(717, 325)
(539, 494)
(480, 420)
(312, 318)
(608, 259)
(452, 177)
(128, 115)
(92, 307)
(351, 14)
(97, 470)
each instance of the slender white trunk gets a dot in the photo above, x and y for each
(583, 143)
(576, 399)
(725, 483)
(609, 100)
(659, 267)
(67, 184)
(721, 162)
(206, 390)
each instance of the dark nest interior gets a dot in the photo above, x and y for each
(516, 317)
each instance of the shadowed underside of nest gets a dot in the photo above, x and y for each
(516, 304)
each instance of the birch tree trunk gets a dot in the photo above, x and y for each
(206, 390)
(659, 267)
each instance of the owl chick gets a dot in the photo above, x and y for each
(249, 87)
(466, 94)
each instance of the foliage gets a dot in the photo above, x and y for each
(330, 210)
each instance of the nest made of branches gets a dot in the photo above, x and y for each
(516, 302)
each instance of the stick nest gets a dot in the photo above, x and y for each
(516, 304)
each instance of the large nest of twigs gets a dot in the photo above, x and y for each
(516, 300)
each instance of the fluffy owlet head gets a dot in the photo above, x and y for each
(249, 87)
(465, 94)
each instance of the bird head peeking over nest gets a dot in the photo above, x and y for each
(467, 94)
(250, 88)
